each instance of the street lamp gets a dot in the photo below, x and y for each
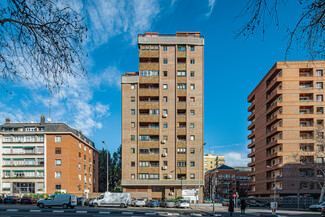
(107, 166)
(200, 159)
(274, 184)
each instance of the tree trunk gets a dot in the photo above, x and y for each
(321, 198)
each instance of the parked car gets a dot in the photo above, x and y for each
(80, 201)
(168, 203)
(317, 207)
(91, 201)
(183, 204)
(152, 203)
(26, 200)
(139, 202)
(225, 202)
(10, 199)
(1, 200)
(113, 199)
(63, 200)
(323, 212)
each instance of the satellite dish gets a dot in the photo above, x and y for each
(49, 119)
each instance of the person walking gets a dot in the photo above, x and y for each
(242, 207)
(231, 206)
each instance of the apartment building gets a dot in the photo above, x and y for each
(45, 158)
(224, 181)
(212, 161)
(162, 118)
(286, 108)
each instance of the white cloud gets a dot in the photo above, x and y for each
(236, 159)
(211, 4)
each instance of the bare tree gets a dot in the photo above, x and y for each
(308, 30)
(311, 164)
(41, 40)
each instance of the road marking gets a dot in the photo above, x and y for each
(127, 213)
(150, 213)
(101, 212)
(170, 213)
(196, 214)
(12, 210)
(58, 211)
(36, 210)
(81, 211)
(217, 215)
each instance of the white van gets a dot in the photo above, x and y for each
(64, 200)
(113, 199)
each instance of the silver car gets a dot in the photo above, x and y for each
(168, 203)
(139, 202)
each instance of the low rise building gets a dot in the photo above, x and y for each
(45, 158)
(212, 161)
(225, 181)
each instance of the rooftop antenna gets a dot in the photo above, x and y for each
(49, 119)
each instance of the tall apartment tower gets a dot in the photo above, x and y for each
(286, 108)
(162, 118)
(44, 158)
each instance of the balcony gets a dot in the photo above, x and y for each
(149, 144)
(181, 144)
(252, 154)
(181, 92)
(250, 136)
(306, 85)
(149, 104)
(181, 67)
(148, 131)
(251, 164)
(274, 93)
(149, 79)
(181, 157)
(274, 155)
(303, 110)
(306, 122)
(305, 72)
(149, 66)
(251, 145)
(149, 157)
(274, 80)
(251, 126)
(181, 79)
(306, 97)
(149, 92)
(148, 118)
(251, 107)
(251, 116)
(307, 135)
(181, 105)
(181, 54)
(148, 53)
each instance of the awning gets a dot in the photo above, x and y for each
(17, 146)
(5, 146)
(18, 170)
(40, 170)
(5, 158)
(18, 159)
(29, 147)
(6, 170)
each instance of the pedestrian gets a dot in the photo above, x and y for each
(242, 207)
(231, 206)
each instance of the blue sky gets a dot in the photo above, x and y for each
(232, 68)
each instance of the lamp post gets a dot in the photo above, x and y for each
(274, 185)
(200, 159)
(107, 167)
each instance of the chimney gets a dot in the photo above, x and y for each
(42, 119)
(7, 120)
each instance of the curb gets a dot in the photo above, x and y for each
(106, 212)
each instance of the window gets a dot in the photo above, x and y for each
(85, 158)
(143, 176)
(320, 160)
(132, 111)
(192, 176)
(165, 125)
(181, 48)
(192, 86)
(132, 137)
(148, 73)
(192, 138)
(165, 163)
(319, 85)
(165, 98)
(154, 176)
(319, 73)
(181, 86)
(165, 137)
(165, 151)
(133, 124)
(58, 139)
(319, 110)
(192, 99)
(57, 187)
(192, 125)
(181, 163)
(132, 86)
(58, 162)
(79, 155)
(132, 150)
(165, 73)
(319, 98)
(181, 73)
(165, 48)
(79, 166)
(192, 150)
(132, 176)
(192, 61)
(57, 150)
(57, 174)
(165, 112)
(79, 145)
(192, 163)
(192, 48)
(192, 73)
(192, 112)
(144, 164)
(181, 151)
(132, 164)
(165, 86)
(132, 99)
(165, 60)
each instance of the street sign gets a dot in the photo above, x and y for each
(305, 196)
(234, 195)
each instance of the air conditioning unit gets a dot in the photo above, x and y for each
(169, 176)
(90, 163)
(164, 154)
(164, 115)
(171, 193)
(164, 167)
(163, 141)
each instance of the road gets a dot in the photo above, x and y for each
(32, 210)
